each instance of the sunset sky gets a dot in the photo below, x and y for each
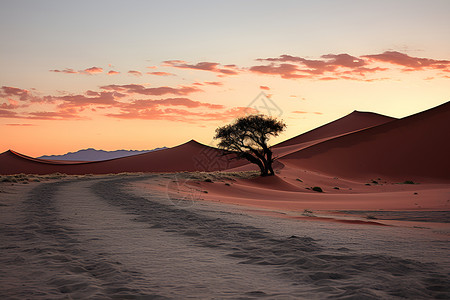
(145, 74)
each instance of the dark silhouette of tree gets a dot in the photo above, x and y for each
(248, 136)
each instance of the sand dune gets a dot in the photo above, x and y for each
(191, 156)
(412, 148)
(352, 122)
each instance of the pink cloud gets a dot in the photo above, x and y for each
(160, 73)
(135, 73)
(414, 63)
(8, 114)
(216, 83)
(20, 125)
(112, 72)
(344, 66)
(204, 66)
(286, 71)
(93, 70)
(12, 93)
(66, 70)
(307, 112)
(88, 71)
(91, 98)
(263, 87)
(54, 115)
(180, 115)
(140, 89)
(12, 104)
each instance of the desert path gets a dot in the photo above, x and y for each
(98, 238)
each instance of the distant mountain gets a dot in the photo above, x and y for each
(91, 154)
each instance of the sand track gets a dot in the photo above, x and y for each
(96, 239)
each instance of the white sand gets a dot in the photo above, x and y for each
(92, 239)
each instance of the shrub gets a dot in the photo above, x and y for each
(308, 213)
(408, 182)
(317, 189)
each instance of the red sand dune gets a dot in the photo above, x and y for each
(191, 156)
(413, 148)
(352, 122)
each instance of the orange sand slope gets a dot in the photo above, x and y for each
(191, 156)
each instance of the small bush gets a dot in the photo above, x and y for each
(317, 189)
(408, 182)
(370, 217)
(227, 184)
(208, 180)
(308, 213)
(298, 179)
(336, 188)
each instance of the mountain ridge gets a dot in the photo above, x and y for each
(91, 154)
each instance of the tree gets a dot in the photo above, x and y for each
(248, 136)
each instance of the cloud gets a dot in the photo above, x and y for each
(413, 63)
(112, 72)
(286, 71)
(135, 73)
(149, 103)
(161, 73)
(66, 70)
(214, 83)
(64, 114)
(91, 98)
(344, 66)
(17, 93)
(307, 112)
(8, 114)
(20, 125)
(180, 115)
(263, 87)
(204, 66)
(158, 91)
(92, 70)
(88, 71)
(12, 104)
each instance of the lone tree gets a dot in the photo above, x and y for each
(248, 137)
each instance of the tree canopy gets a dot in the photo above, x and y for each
(248, 137)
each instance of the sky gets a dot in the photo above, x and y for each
(144, 74)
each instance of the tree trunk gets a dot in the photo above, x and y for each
(268, 162)
(257, 162)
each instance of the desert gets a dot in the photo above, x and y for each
(200, 149)
(187, 222)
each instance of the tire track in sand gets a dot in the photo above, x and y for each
(323, 273)
(51, 261)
